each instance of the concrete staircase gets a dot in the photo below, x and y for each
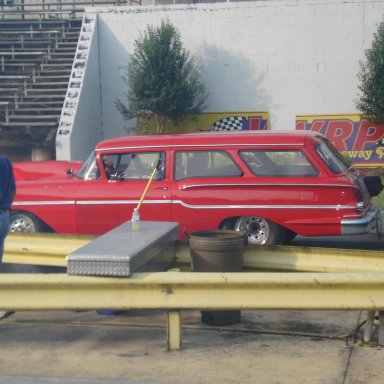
(36, 58)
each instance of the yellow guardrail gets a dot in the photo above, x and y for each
(42, 248)
(50, 249)
(192, 290)
(175, 291)
(357, 285)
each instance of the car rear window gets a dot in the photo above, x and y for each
(278, 163)
(204, 164)
(332, 157)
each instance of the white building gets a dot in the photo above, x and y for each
(286, 57)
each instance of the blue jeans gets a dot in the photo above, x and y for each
(4, 228)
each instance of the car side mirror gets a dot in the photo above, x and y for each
(70, 171)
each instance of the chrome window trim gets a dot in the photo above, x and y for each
(177, 146)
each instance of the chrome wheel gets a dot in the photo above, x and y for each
(256, 229)
(260, 231)
(20, 222)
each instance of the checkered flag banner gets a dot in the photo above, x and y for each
(231, 123)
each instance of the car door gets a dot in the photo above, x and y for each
(207, 187)
(108, 200)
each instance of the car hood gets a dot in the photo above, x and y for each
(36, 170)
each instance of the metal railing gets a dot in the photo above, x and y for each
(361, 288)
(53, 9)
(176, 291)
(50, 249)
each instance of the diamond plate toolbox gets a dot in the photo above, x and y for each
(122, 252)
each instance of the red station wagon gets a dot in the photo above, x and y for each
(270, 185)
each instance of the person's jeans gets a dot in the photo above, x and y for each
(4, 228)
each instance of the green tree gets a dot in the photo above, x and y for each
(371, 76)
(162, 79)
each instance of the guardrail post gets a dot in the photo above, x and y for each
(369, 326)
(381, 328)
(174, 330)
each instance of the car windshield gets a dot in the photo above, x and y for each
(332, 157)
(89, 170)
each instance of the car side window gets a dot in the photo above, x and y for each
(278, 163)
(134, 165)
(331, 157)
(204, 164)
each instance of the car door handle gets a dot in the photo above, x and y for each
(164, 188)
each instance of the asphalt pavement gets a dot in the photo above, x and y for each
(265, 347)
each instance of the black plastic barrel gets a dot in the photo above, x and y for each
(217, 251)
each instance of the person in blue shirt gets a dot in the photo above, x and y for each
(7, 193)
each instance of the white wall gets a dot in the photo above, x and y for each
(80, 127)
(287, 57)
(88, 118)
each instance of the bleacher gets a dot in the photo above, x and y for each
(37, 47)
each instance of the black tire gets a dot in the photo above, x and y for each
(25, 222)
(260, 231)
(289, 235)
(229, 224)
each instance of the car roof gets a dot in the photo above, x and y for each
(298, 137)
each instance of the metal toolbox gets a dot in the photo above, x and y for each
(121, 251)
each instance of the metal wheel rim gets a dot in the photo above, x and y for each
(22, 224)
(256, 229)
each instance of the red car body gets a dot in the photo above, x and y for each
(30, 171)
(269, 184)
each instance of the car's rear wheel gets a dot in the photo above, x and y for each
(25, 222)
(289, 235)
(259, 230)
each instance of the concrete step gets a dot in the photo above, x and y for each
(40, 98)
(40, 104)
(39, 111)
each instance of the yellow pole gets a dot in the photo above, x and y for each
(146, 188)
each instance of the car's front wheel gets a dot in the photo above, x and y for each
(25, 222)
(260, 231)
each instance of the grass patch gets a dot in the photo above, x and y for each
(376, 198)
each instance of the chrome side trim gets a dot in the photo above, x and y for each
(87, 202)
(52, 202)
(361, 225)
(256, 206)
(121, 202)
(184, 187)
(182, 203)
